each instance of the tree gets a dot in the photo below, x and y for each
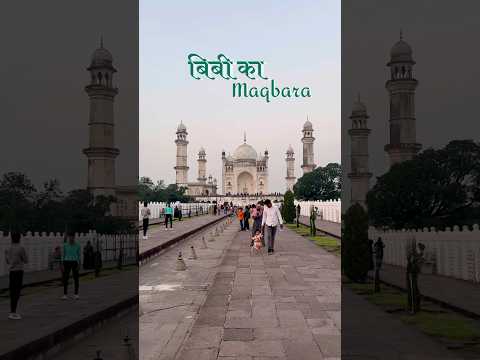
(323, 183)
(17, 195)
(150, 192)
(288, 208)
(355, 252)
(436, 188)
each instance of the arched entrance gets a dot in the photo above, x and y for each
(245, 183)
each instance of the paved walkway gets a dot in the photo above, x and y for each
(370, 333)
(45, 314)
(328, 227)
(170, 300)
(278, 307)
(157, 234)
(458, 293)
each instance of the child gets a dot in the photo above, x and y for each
(16, 258)
(257, 242)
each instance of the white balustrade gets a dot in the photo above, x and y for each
(454, 252)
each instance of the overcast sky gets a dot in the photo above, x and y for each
(443, 36)
(299, 41)
(44, 110)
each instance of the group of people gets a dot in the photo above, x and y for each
(69, 261)
(263, 220)
(169, 213)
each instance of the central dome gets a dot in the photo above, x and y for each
(245, 152)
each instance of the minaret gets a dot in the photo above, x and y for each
(290, 159)
(224, 159)
(308, 154)
(359, 172)
(401, 87)
(202, 166)
(101, 152)
(181, 168)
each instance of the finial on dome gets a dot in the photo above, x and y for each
(101, 41)
(401, 34)
(358, 96)
(244, 137)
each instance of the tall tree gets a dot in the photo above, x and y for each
(323, 183)
(436, 188)
(355, 251)
(17, 196)
(288, 208)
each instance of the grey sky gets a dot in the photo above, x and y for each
(44, 109)
(300, 44)
(442, 35)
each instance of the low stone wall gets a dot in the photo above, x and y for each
(327, 210)
(40, 247)
(157, 209)
(454, 252)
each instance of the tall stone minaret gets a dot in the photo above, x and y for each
(290, 159)
(308, 154)
(359, 171)
(101, 152)
(181, 169)
(401, 87)
(202, 166)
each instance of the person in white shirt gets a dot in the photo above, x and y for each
(270, 220)
(145, 212)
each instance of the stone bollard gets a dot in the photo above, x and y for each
(216, 231)
(181, 266)
(193, 254)
(211, 237)
(204, 244)
(129, 350)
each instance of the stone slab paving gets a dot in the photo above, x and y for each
(459, 293)
(329, 227)
(157, 234)
(170, 300)
(370, 333)
(284, 306)
(44, 313)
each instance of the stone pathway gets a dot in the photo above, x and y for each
(170, 300)
(46, 315)
(329, 227)
(284, 306)
(459, 293)
(158, 235)
(370, 333)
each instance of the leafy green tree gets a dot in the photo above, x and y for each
(288, 208)
(436, 188)
(355, 251)
(148, 191)
(323, 183)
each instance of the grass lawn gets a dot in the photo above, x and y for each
(328, 243)
(452, 329)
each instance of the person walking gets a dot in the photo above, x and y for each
(71, 263)
(180, 212)
(168, 216)
(88, 256)
(240, 217)
(298, 215)
(246, 218)
(145, 213)
(313, 220)
(271, 219)
(16, 258)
